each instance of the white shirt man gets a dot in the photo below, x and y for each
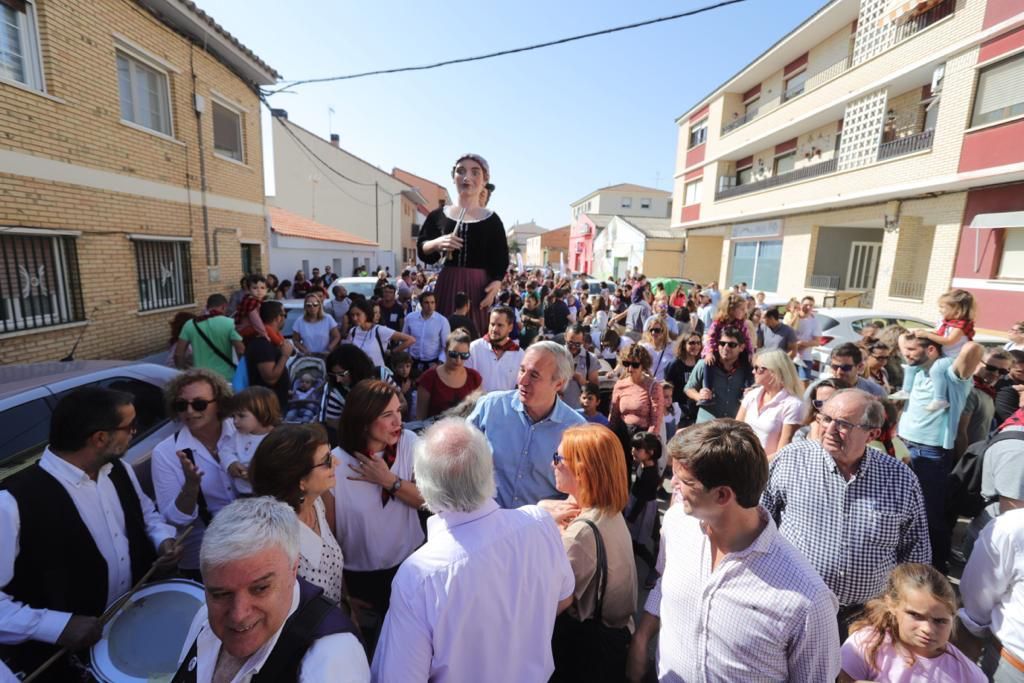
(495, 356)
(429, 329)
(808, 334)
(478, 601)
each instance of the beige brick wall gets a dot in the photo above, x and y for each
(83, 128)
(703, 254)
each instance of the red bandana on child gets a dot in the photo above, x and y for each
(966, 325)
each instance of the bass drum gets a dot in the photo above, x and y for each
(145, 639)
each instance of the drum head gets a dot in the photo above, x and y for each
(144, 640)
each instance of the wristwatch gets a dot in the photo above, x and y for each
(394, 487)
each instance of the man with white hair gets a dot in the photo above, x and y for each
(524, 426)
(260, 622)
(478, 601)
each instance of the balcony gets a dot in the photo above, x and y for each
(906, 145)
(916, 24)
(907, 289)
(830, 282)
(812, 171)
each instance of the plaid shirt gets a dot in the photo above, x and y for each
(853, 532)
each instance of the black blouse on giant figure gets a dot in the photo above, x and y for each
(483, 257)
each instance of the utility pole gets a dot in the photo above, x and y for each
(376, 210)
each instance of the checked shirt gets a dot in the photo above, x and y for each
(853, 532)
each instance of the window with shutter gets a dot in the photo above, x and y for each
(1000, 93)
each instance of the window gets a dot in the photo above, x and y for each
(692, 192)
(698, 133)
(751, 106)
(1000, 93)
(150, 413)
(757, 263)
(227, 132)
(165, 273)
(744, 175)
(645, 203)
(627, 202)
(19, 47)
(251, 259)
(26, 430)
(795, 85)
(784, 163)
(1012, 262)
(39, 283)
(145, 96)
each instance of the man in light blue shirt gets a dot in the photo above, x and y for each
(430, 330)
(524, 426)
(930, 434)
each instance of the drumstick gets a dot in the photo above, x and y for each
(445, 252)
(114, 608)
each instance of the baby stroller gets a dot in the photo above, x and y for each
(307, 390)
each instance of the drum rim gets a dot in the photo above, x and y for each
(102, 666)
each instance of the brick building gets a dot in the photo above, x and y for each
(131, 172)
(847, 158)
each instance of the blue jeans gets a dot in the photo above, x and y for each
(805, 373)
(932, 466)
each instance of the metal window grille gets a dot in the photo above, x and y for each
(165, 274)
(39, 282)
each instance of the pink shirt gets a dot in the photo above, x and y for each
(783, 409)
(950, 667)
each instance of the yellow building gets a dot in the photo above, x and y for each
(832, 164)
(131, 172)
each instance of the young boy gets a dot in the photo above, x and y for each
(247, 317)
(589, 398)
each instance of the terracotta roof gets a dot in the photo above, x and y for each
(292, 224)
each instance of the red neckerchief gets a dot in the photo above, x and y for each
(985, 387)
(390, 454)
(509, 345)
(966, 325)
(1015, 420)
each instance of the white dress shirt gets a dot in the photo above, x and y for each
(169, 478)
(100, 509)
(337, 658)
(478, 601)
(373, 535)
(763, 614)
(992, 585)
(431, 335)
(497, 373)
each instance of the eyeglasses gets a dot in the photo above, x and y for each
(731, 345)
(198, 405)
(693, 342)
(630, 364)
(557, 459)
(845, 367)
(842, 425)
(886, 357)
(574, 345)
(656, 330)
(758, 369)
(131, 427)
(1001, 371)
(327, 463)
(464, 355)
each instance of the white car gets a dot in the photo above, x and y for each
(29, 393)
(842, 325)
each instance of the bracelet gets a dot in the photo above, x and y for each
(393, 489)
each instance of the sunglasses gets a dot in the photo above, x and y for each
(328, 462)
(817, 403)
(574, 345)
(338, 376)
(656, 330)
(758, 369)
(630, 364)
(464, 355)
(312, 305)
(731, 345)
(693, 342)
(198, 405)
(881, 357)
(1001, 371)
(557, 459)
(845, 367)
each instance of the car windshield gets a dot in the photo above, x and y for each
(289, 321)
(363, 288)
(827, 323)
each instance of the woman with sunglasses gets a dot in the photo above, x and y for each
(656, 341)
(637, 399)
(815, 399)
(444, 386)
(315, 333)
(773, 407)
(376, 501)
(687, 353)
(876, 358)
(347, 366)
(189, 480)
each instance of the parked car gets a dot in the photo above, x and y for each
(841, 325)
(29, 393)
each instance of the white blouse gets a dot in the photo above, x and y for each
(374, 535)
(320, 558)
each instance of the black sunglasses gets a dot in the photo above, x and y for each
(198, 404)
(1001, 371)
(656, 330)
(630, 364)
(731, 345)
(845, 367)
(557, 459)
(464, 355)
(574, 345)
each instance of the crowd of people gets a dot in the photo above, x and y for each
(494, 455)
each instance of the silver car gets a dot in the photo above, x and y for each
(29, 393)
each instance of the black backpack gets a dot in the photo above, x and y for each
(964, 492)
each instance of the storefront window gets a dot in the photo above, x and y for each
(756, 263)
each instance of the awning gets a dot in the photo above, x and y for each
(1006, 219)
(898, 10)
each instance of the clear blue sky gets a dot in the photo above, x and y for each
(555, 124)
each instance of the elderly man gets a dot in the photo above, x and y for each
(76, 532)
(852, 510)
(736, 601)
(496, 355)
(524, 426)
(260, 622)
(930, 435)
(478, 601)
(979, 408)
(847, 364)
(585, 366)
(430, 330)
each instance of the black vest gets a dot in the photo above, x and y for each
(59, 566)
(316, 617)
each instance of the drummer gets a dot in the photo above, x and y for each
(470, 240)
(76, 532)
(260, 620)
